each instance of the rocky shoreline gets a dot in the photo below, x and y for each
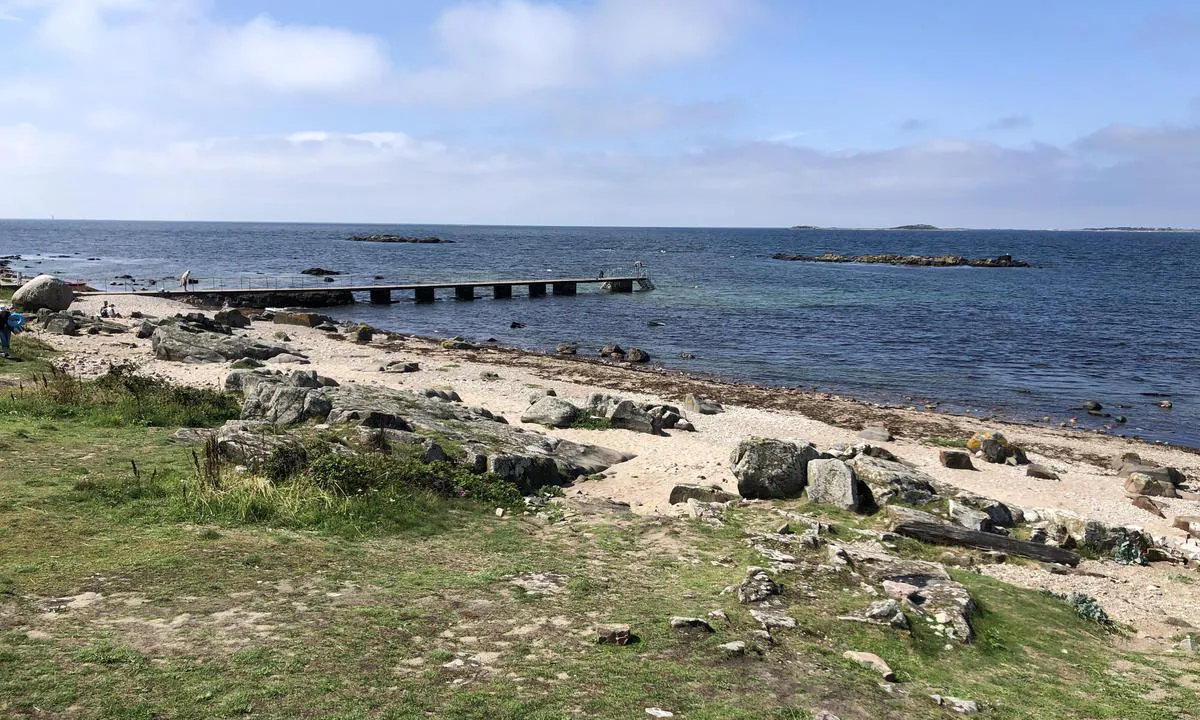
(658, 448)
(1002, 261)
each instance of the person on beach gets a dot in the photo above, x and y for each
(5, 332)
(184, 278)
(104, 311)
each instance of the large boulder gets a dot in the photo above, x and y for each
(944, 605)
(891, 480)
(552, 412)
(769, 469)
(249, 443)
(44, 291)
(1167, 475)
(701, 405)
(832, 482)
(699, 493)
(626, 415)
(474, 438)
(300, 317)
(969, 517)
(995, 448)
(184, 343)
(1140, 483)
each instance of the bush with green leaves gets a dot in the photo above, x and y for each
(1089, 608)
(1129, 553)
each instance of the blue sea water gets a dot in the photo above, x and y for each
(1109, 316)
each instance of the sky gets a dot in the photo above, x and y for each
(749, 113)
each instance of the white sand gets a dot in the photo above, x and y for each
(701, 457)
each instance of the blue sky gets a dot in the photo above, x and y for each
(613, 112)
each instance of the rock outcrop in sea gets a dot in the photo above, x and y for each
(1002, 261)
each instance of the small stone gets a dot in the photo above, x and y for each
(872, 661)
(1041, 472)
(659, 713)
(956, 460)
(1166, 404)
(994, 556)
(1144, 503)
(876, 434)
(737, 648)
(956, 705)
(612, 635)
(772, 619)
(1093, 406)
(690, 623)
(499, 512)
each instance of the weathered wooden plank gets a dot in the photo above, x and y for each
(931, 529)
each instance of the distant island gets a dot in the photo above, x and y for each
(898, 227)
(398, 239)
(1127, 228)
(1003, 261)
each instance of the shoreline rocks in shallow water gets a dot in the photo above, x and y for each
(1002, 261)
(333, 297)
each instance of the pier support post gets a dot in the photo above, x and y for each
(464, 292)
(381, 296)
(564, 288)
(502, 292)
(425, 295)
(537, 290)
(621, 286)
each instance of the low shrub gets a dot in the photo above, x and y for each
(591, 422)
(121, 398)
(351, 495)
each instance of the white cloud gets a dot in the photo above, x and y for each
(154, 49)
(288, 58)
(508, 48)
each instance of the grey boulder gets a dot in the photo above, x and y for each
(44, 291)
(183, 343)
(552, 412)
(890, 480)
(832, 482)
(769, 469)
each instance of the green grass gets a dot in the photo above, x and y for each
(591, 422)
(946, 442)
(117, 399)
(303, 598)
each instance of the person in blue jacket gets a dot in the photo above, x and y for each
(5, 331)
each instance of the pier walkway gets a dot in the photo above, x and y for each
(380, 293)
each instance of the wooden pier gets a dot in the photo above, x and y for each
(217, 289)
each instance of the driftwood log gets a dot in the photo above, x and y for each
(929, 528)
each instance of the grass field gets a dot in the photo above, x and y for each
(133, 594)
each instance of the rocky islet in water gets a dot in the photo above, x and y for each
(1001, 261)
(399, 239)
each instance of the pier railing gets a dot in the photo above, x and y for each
(235, 283)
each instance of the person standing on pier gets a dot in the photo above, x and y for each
(184, 279)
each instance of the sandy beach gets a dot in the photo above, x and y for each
(1088, 487)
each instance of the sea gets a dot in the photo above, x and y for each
(1109, 316)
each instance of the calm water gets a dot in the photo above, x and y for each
(1106, 316)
